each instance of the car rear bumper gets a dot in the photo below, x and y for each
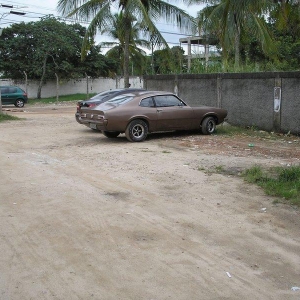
(80, 120)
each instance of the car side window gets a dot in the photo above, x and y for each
(147, 102)
(4, 90)
(167, 100)
(12, 90)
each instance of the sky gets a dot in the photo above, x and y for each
(35, 9)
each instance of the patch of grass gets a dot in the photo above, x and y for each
(226, 129)
(73, 97)
(166, 151)
(5, 117)
(281, 182)
(252, 131)
(219, 169)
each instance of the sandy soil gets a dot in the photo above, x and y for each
(86, 217)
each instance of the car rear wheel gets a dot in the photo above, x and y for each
(136, 131)
(208, 125)
(19, 103)
(111, 134)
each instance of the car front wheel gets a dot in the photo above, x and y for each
(19, 103)
(111, 134)
(208, 125)
(136, 131)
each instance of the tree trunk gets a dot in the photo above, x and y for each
(0, 103)
(57, 87)
(126, 53)
(237, 48)
(42, 78)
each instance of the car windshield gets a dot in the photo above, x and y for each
(121, 99)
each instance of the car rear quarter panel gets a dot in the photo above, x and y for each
(120, 117)
(202, 112)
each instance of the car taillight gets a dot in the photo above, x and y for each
(92, 104)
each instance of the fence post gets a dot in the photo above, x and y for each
(219, 90)
(277, 104)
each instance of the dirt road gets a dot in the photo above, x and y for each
(86, 217)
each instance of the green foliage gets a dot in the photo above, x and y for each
(137, 55)
(73, 97)
(229, 20)
(264, 44)
(5, 117)
(281, 182)
(168, 61)
(146, 12)
(46, 47)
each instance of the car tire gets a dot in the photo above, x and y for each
(19, 103)
(111, 134)
(208, 125)
(136, 131)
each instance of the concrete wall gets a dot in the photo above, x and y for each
(269, 101)
(73, 86)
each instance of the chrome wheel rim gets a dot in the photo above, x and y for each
(210, 126)
(138, 131)
(19, 103)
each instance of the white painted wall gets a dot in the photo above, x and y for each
(73, 86)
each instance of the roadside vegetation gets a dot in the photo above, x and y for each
(283, 182)
(280, 182)
(230, 130)
(5, 117)
(64, 98)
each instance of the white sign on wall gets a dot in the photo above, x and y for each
(277, 99)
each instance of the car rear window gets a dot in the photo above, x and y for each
(101, 95)
(147, 102)
(121, 99)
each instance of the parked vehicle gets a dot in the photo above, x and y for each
(13, 95)
(141, 112)
(100, 98)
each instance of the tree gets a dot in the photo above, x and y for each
(229, 19)
(284, 21)
(146, 12)
(48, 47)
(136, 53)
(168, 61)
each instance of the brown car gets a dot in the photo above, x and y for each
(142, 112)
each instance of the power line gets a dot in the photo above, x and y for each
(84, 22)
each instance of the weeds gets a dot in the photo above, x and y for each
(279, 182)
(219, 169)
(5, 117)
(73, 97)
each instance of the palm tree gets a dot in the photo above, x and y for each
(282, 10)
(116, 31)
(229, 18)
(147, 12)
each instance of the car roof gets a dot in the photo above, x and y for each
(6, 86)
(147, 93)
(112, 93)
